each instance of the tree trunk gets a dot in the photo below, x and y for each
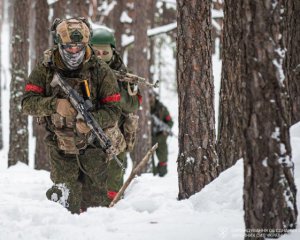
(80, 8)
(18, 144)
(230, 135)
(269, 189)
(141, 68)
(197, 160)
(292, 65)
(1, 21)
(41, 40)
(60, 9)
(151, 18)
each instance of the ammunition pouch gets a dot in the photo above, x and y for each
(130, 128)
(117, 139)
(68, 140)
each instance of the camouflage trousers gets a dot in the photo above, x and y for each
(115, 176)
(162, 150)
(78, 188)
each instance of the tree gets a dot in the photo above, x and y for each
(113, 20)
(230, 130)
(141, 68)
(80, 8)
(18, 144)
(1, 20)
(42, 43)
(60, 9)
(269, 189)
(292, 65)
(197, 159)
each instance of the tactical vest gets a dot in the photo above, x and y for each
(67, 137)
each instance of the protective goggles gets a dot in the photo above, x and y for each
(73, 47)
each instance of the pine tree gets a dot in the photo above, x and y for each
(269, 188)
(197, 160)
(292, 66)
(1, 20)
(18, 144)
(141, 68)
(230, 130)
(41, 44)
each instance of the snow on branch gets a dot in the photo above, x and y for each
(169, 1)
(52, 1)
(108, 8)
(127, 40)
(217, 13)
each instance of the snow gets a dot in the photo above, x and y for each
(150, 209)
(52, 1)
(125, 18)
(127, 40)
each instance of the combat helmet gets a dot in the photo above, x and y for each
(103, 36)
(73, 30)
(72, 37)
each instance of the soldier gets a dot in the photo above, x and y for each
(160, 116)
(78, 164)
(103, 41)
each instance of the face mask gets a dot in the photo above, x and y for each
(71, 60)
(104, 52)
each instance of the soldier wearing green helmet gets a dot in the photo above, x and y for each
(104, 44)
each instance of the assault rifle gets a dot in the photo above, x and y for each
(131, 78)
(160, 126)
(84, 107)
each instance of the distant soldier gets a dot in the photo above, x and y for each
(103, 42)
(78, 163)
(161, 129)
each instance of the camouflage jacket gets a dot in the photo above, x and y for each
(162, 113)
(129, 103)
(40, 98)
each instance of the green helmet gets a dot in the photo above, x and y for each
(103, 36)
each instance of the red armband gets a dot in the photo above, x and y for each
(111, 195)
(168, 118)
(140, 99)
(162, 164)
(113, 98)
(33, 88)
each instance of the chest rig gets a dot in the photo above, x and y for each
(68, 139)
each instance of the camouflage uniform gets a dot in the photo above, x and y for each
(104, 43)
(129, 104)
(79, 179)
(160, 137)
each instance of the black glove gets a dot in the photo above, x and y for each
(161, 169)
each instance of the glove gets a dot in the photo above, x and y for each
(82, 127)
(161, 169)
(64, 108)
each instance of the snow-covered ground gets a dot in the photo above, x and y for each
(150, 209)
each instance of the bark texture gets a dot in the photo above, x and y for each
(41, 40)
(293, 57)
(141, 68)
(18, 141)
(269, 189)
(80, 8)
(230, 131)
(197, 160)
